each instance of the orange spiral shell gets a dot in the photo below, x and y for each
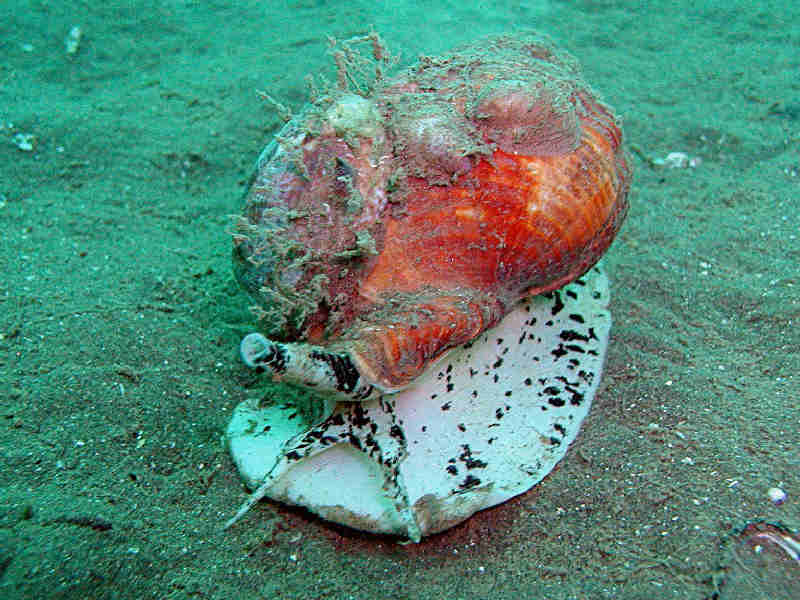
(409, 222)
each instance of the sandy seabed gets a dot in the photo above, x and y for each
(120, 165)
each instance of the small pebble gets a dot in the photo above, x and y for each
(24, 141)
(73, 39)
(776, 495)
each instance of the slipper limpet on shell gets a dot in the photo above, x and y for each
(388, 232)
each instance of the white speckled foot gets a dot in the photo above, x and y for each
(484, 424)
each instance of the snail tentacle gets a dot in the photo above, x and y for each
(308, 366)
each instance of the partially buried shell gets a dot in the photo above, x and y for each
(381, 231)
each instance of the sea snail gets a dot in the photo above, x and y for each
(387, 237)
